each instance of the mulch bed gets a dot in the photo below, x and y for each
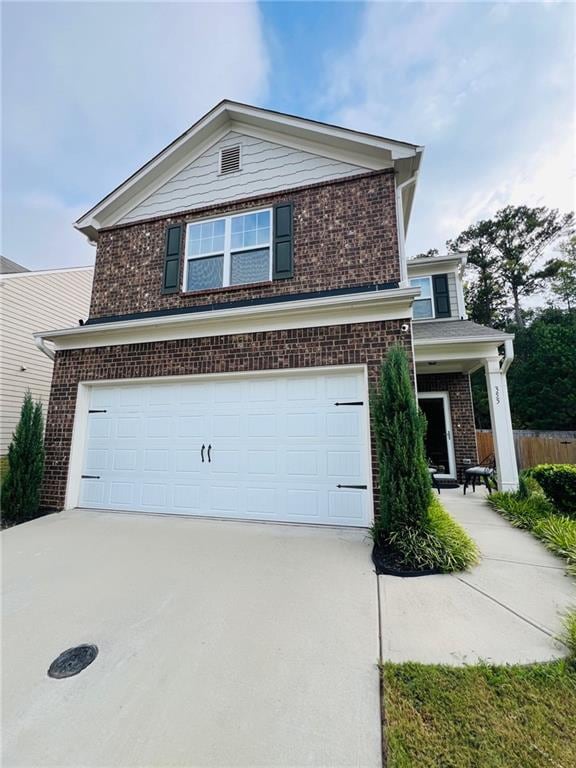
(386, 563)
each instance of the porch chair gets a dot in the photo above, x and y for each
(485, 470)
(433, 470)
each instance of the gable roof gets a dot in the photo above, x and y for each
(370, 151)
(9, 267)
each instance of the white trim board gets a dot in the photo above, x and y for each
(371, 306)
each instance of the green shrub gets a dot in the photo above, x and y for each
(559, 535)
(569, 634)
(399, 427)
(558, 481)
(527, 485)
(521, 512)
(441, 543)
(21, 487)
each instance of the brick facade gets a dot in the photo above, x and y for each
(344, 235)
(361, 343)
(461, 410)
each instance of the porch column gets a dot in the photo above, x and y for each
(501, 425)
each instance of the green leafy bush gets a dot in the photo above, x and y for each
(559, 535)
(521, 512)
(399, 428)
(558, 481)
(569, 634)
(21, 487)
(440, 543)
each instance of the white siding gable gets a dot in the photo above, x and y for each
(265, 167)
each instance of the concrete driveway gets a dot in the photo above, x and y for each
(221, 644)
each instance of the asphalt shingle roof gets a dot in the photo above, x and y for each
(444, 330)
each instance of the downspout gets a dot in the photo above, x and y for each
(400, 227)
(508, 356)
(41, 344)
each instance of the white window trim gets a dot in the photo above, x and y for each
(227, 266)
(425, 298)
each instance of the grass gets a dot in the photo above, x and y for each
(539, 516)
(480, 716)
(569, 635)
(442, 544)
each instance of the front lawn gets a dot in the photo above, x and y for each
(480, 716)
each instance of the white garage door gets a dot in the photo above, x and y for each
(288, 448)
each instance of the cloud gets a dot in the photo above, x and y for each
(487, 88)
(93, 90)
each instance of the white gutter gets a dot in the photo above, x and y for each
(39, 341)
(400, 227)
(463, 339)
(508, 356)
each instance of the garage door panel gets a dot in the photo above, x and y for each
(262, 462)
(345, 505)
(261, 425)
(187, 497)
(279, 448)
(123, 493)
(125, 459)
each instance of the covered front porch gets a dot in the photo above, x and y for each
(446, 353)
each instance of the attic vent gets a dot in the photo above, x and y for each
(230, 159)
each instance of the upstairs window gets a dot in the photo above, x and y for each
(424, 304)
(232, 250)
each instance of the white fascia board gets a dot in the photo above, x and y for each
(433, 266)
(456, 352)
(332, 310)
(464, 340)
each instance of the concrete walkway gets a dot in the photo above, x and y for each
(506, 610)
(221, 644)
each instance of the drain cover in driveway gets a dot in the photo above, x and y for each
(72, 661)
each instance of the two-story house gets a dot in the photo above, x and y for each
(249, 281)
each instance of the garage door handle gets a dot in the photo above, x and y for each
(209, 449)
(202, 452)
(359, 487)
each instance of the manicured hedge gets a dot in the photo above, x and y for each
(558, 481)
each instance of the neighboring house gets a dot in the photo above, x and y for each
(249, 281)
(29, 300)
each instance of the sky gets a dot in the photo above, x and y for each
(91, 90)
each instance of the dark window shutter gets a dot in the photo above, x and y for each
(441, 295)
(172, 259)
(282, 248)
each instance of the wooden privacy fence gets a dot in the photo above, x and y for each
(533, 447)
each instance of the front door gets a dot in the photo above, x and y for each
(439, 444)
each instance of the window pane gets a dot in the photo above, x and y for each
(251, 229)
(205, 273)
(422, 308)
(207, 237)
(424, 284)
(250, 266)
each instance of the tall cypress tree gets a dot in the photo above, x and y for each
(21, 488)
(399, 429)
